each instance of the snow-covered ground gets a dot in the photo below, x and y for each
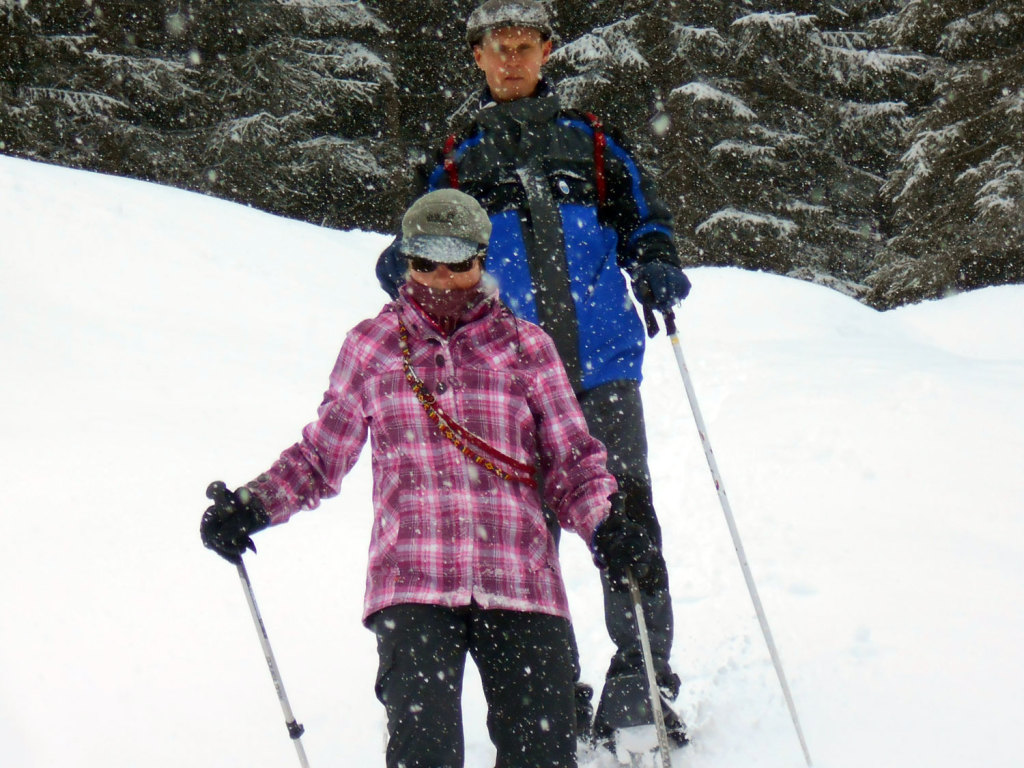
(153, 340)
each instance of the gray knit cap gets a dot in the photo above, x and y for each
(496, 14)
(446, 226)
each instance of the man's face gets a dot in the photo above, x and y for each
(511, 58)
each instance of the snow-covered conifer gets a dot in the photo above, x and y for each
(954, 197)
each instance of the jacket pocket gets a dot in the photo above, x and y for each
(573, 186)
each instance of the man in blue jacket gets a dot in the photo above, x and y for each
(572, 214)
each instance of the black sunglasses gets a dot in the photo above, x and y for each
(420, 264)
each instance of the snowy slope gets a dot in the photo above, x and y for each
(153, 340)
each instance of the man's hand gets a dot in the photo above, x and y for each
(660, 285)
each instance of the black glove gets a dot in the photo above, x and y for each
(660, 285)
(227, 525)
(621, 545)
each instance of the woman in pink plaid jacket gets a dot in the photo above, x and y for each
(474, 428)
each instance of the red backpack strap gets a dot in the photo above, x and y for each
(449, 161)
(599, 145)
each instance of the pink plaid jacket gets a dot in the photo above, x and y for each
(447, 532)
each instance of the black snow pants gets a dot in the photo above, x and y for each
(614, 415)
(526, 668)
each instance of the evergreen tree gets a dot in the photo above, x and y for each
(871, 145)
(956, 198)
(433, 66)
(89, 96)
(301, 124)
(772, 130)
(276, 103)
(18, 30)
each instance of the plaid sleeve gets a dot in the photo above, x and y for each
(313, 468)
(576, 482)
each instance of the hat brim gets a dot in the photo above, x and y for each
(440, 249)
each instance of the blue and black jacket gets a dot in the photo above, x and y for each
(565, 226)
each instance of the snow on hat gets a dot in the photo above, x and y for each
(495, 14)
(446, 226)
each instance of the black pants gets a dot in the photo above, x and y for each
(526, 669)
(615, 416)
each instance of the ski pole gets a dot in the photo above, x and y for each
(702, 430)
(295, 730)
(652, 680)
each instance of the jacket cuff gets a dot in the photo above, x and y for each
(262, 490)
(656, 247)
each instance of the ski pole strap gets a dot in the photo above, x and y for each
(670, 322)
(600, 142)
(651, 321)
(449, 161)
(458, 435)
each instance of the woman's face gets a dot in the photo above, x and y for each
(444, 279)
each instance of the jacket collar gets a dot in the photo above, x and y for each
(539, 108)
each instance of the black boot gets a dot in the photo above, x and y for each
(674, 726)
(668, 686)
(626, 702)
(584, 713)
